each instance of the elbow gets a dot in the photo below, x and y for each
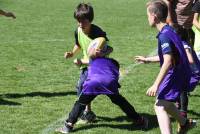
(168, 64)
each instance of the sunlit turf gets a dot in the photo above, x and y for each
(37, 85)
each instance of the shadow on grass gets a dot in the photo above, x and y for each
(194, 113)
(128, 126)
(6, 102)
(31, 94)
(34, 94)
(194, 95)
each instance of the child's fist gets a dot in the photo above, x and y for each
(68, 55)
(77, 62)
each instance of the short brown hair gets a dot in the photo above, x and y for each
(159, 8)
(84, 11)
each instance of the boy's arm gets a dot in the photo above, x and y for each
(189, 56)
(144, 59)
(196, 22)
(188, 51)
(72, 53)
(7, 14)
(163, 71)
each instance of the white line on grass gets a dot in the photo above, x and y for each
(128, 69)
(51, 128)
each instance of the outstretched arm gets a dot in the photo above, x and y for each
(7, 14)
(144, 59)
(72, 53)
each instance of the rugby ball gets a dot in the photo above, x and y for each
(98, 43)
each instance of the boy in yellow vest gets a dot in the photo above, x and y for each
(84, 34)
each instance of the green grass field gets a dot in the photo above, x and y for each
(37, 85)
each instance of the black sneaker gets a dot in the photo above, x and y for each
(64, 130)
(190, 123)
(143, 123)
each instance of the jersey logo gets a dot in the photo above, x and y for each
(165, 45)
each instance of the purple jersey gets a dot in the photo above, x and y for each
(103, 75)
(179, 74)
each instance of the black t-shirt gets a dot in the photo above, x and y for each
(95, 33)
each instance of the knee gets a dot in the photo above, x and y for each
(156, 108)
(159, 106)
(78, 102)
(79, 105)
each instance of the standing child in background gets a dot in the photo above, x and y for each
(84, 34)
(7, 14)
(185, 18)
(180, 16)
(196, 27)
(194, 80)
(174, 74)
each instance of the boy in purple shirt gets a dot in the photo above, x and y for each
(174, 74)
(103, 75)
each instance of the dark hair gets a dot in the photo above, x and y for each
(159, 8)
(84, 11)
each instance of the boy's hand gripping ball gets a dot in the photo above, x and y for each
(97, 47)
